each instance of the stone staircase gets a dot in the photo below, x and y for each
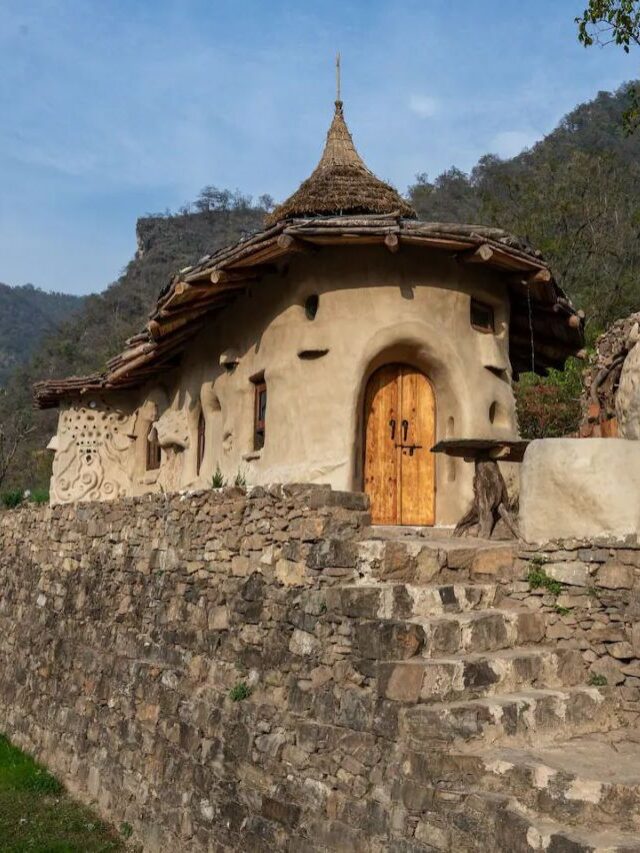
(517, 751)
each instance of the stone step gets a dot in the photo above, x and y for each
(521, 831)
(526, 717)
(593, 780)
(420, 561)
(475, 675)
(476, 631)
(403, 600)
(401, 531)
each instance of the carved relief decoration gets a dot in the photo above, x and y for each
(91, 458)
(173, 429)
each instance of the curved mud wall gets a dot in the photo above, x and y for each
(374, 308)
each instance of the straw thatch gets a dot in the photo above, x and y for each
(341, 183)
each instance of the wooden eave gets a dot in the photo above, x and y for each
(206, 288)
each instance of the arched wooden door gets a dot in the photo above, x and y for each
(400, 430)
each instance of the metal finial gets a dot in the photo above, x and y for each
(338, 76)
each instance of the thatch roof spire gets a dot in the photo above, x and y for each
(341, 183)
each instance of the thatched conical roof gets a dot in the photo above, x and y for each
(341, 183)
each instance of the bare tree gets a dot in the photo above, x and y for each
(13, 432)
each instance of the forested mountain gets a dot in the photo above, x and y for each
(575, 196)
(27, 315)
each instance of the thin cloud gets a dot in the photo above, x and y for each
(423, 105)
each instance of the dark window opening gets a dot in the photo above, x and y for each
(482, 317)
(260, 414)
(202, 429)
(154, 451)
(311, 306)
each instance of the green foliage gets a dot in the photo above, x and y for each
(607, 21)
(12, 498)
(597, 680)
(126, 830)
(217, 481)
(241, 479)
(539, 579)
(549, 407)
(40, 496)
(618, 22)
(562, 611)
(240, 691)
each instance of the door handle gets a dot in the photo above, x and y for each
(392, 424)
(405, 430)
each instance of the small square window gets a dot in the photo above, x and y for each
(482, 318)
(260, 414)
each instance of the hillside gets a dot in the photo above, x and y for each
(27, 315)
(83, 343)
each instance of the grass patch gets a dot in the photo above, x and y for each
(239, 692)
(38, 816)
(597, 680)
(538, 579)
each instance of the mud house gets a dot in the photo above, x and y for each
(335, 346)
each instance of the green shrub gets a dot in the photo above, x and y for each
(40, 496)
(240, 691)
(241, 479)
(217, 481)
(597, 680)
(12, 498)
(538, 578)
(549, 407)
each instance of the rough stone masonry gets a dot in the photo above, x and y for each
(264, 671)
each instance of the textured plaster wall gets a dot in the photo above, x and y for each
(375, 307)
(579, 488)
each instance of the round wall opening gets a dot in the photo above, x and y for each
(498, 415)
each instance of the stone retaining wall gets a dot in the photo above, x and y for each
(189, 664)
(597, 608)
(130, 633)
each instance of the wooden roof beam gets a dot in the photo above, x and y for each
(480, 255)
(294, 245)
(541, 276)
(392, 242)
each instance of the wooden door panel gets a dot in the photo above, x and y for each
(417, 465)
(381, 455)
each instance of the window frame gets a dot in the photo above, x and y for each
(485, 307)
(201, 442)
(259, 412)
(153, 455)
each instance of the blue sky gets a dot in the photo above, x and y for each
(117, 108)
